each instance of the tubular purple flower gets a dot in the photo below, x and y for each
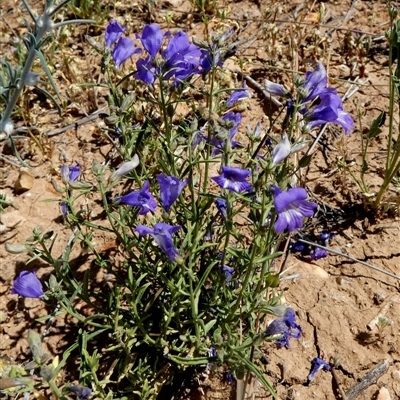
(221, 206)
(285, 326)
(315, 83)
(181, 58)
(113, 32)
(124, 49)
(210, 58)
(70, 173)
(238, 95)
(81, 392)
(276, 89)
(330, 109)
(27, 285)
(162, 235)
(151, 39)
(228, 271)
(140, 198)
(64, 209)
(234, 179)
(317, 365)
(170, 189)
(281, 150)
(291, 207)
(146, 72)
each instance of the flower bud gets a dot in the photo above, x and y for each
(125, 168)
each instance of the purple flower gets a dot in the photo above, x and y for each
(82, 392)
(27, 285)
(318, 253)
(113, 32)
(234, 179)
(152, 38)
(276, 89)
(197, 138)
(221, 206)
(140, 198)
(181, 58)
(237, 95)
(64, 209)
(170, 189)
(230, 378)
(146, 72)
(210, 58)
(299, 247)
(124, 49)
(228, 271)
(162, 234)
(70, 173)
(317, 365)
(330, 109)
(285, 326)
(291, 207)
(325, 237)
(315, 84)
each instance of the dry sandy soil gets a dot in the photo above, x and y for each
(335, 298)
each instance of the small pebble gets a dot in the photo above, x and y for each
(341, 281)
(12, 219)
(383, 394)
(396, 375)
(379, 298)
(24, 182)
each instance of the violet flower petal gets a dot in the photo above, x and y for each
(318, 253)
(124, 49)
(315, 83)
(228, 271)
(140, 198)
(170, 189)
(221, 206)
(27, 285)
(152, 38)
(233, 178)
(146, 72)
(238, 95)
(285, 326)
(317, 365)
(162, 235)
(113, 32)
(81, 392)
(291, 207)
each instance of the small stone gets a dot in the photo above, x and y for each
(12, 219)
(24, 182)
(383, 394)
(341, 281)
(396, 375)
(379, 298)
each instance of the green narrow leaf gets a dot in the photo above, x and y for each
(253, 368)
(48, 73)
(375, 128)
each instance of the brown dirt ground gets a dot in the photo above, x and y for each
(335, 298)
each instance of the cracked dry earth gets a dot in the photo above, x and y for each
(337, 300)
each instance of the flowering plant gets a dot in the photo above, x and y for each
(197, 218)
